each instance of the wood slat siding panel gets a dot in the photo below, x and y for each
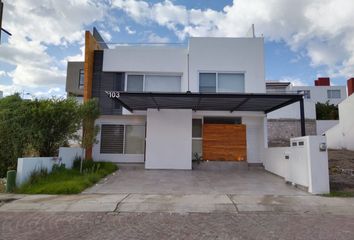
(224, 142)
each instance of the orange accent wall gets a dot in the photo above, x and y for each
(225, 142)
(90, 46)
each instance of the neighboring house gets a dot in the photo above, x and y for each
(342, 135)
(75, 80)
(163, 104)
(288, 118)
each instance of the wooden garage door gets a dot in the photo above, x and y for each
(226, 142)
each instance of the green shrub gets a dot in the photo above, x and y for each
(326, 111)
(58, 167)
(37, 175)
(67, 181)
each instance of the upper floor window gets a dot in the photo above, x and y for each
(81, 78)
(307, 93)
(153, 83)
(333, 94)
(221, 82)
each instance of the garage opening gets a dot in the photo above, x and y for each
(224, 139)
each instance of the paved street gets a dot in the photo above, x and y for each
(103, 226)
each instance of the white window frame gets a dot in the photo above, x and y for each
(217, 78)
(151, 74)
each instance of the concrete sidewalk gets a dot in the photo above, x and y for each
(178, 203)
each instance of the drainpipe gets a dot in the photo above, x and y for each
(302, 116)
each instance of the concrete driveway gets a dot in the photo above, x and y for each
(206, 178)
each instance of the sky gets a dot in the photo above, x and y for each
(304, 39)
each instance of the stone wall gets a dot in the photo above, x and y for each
(281, 130)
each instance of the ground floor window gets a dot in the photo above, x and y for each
(197, 138)
(122, 139)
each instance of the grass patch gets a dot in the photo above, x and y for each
(339, 194)
(67, 181)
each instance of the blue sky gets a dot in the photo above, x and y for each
(302, 41)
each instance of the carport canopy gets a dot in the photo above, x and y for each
(259, 102)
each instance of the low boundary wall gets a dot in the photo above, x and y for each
(25, 166)
(304, 163)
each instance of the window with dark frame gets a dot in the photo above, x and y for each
(81, 78)
(122, 139)
(221, 82)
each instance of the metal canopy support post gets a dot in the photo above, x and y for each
(153, 99)
(302, 118)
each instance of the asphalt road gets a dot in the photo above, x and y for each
(100, 225)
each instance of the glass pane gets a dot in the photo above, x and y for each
(222, 120)
(231, 82)
(134, 139)
(112, 139)
(333, 93)
(135, 83)
(207, 82)
(81, 78)
(160, 83)
(197, 128)
(197, 147)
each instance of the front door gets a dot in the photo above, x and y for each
(224, 142)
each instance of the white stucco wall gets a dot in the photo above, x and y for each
(245, 55)
(319, 93)
(147, 59)
(255, 138)
(323, 125)
(293, 111)
(26, 166)
(119, 158)
(68, 155)
(306, 166)
(228, 55)
(342, 135)
(169, 139)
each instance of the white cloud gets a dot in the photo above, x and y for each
(153, 38)
(129, 30)
(294, 81)
(323, 28)
(37, 25)
(2, 74)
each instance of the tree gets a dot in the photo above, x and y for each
(40, 127)
(14, 134)
(326, 111)
(89, 112)
(53, 122)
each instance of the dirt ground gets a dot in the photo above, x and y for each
(341, 170)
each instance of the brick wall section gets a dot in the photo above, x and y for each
(281, 130)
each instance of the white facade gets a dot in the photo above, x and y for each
(169, 132)
(342, 135)
(168, 139)
(244, 55)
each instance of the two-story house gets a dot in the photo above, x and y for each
(164, 105)
(288, 118)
